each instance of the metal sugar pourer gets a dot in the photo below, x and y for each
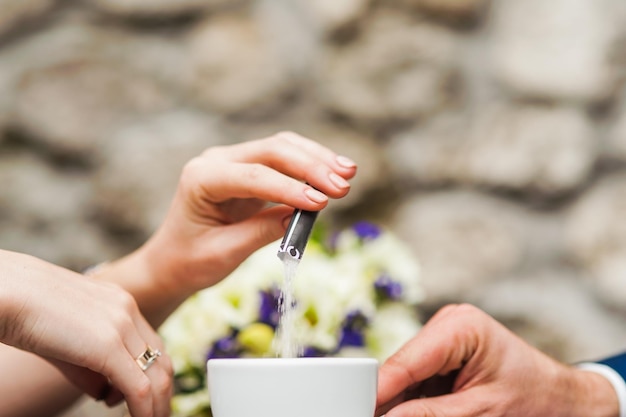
(297, 234)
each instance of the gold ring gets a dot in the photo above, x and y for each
(147, 358)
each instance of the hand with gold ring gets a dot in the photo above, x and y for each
(147, 358)
(231, 200)
(92, 331)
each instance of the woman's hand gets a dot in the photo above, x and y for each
(463, 363)
(92, 331)
(220, 215)
(230, 201)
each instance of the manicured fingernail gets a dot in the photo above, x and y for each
(315, 195)
(345, 162)
(338, 181)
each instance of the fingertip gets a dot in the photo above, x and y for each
(338, 181)
(345, 162)
(315, 196)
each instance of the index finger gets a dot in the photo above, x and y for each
(336, 162)
(273, 169)
(295, 156)
(444, 344)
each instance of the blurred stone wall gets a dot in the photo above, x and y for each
(491, 135)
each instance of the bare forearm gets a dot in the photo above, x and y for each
(23, 394)
(30, 386)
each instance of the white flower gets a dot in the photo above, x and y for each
(391, 327)
(189, 404)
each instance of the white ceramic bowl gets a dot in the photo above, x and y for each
(292, 387)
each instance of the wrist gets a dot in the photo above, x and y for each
(13, 297)
(610, 375)
(592, 395)
(7, 300)
(140, 275)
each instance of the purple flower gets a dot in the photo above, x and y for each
(332, 242)
(268, 312)
(366, 230)
(226, 347)
(352, 329)
(314, 352)
(387, 289)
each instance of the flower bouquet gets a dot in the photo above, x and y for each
(355, 294)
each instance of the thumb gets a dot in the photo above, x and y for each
(239, 240)
(428, 354)
(457, 338)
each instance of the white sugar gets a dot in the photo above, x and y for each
(285, 342)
